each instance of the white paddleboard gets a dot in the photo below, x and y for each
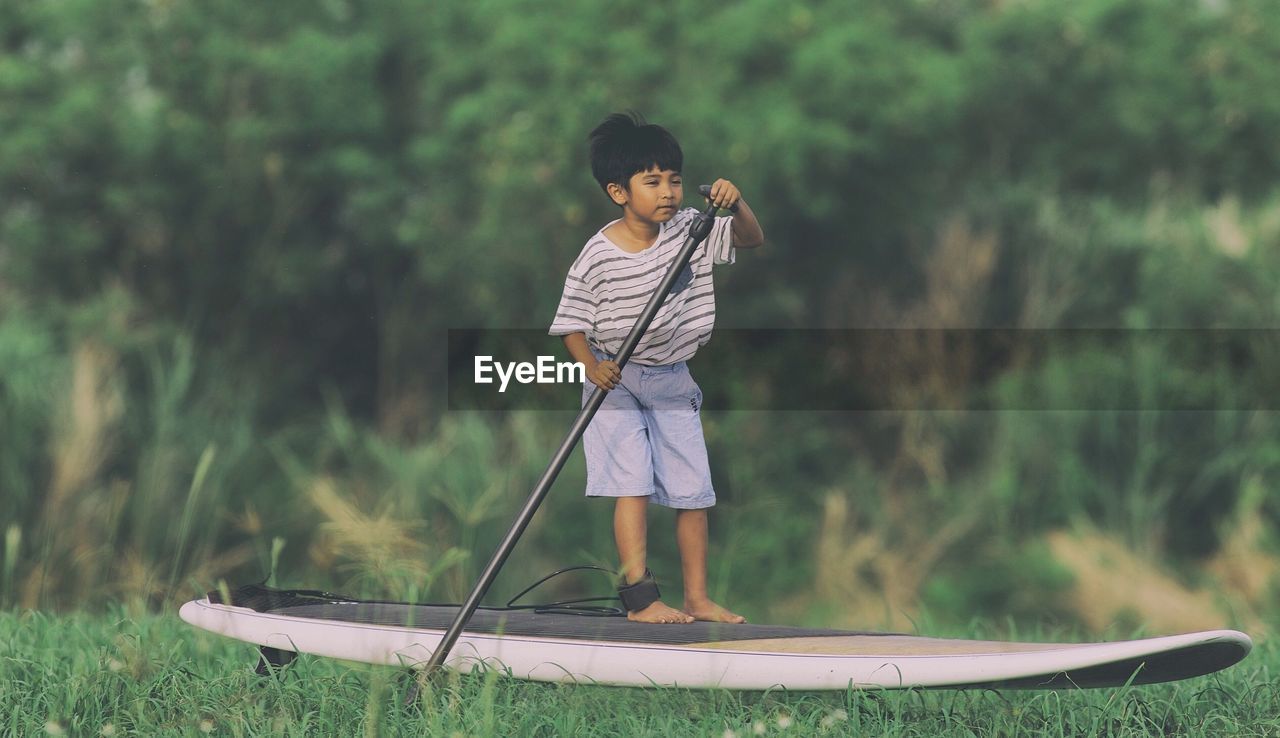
(615, 651)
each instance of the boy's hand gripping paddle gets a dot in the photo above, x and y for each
(705, 191)
(698, 233)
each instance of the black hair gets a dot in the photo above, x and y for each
(625, 144)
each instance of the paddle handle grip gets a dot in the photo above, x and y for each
(705, 191)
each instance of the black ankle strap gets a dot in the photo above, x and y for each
(641, 594)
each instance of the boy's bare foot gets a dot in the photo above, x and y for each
(710, 611)
(659, 613)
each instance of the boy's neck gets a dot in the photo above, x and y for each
(634, 234)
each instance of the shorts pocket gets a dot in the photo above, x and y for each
(692, 393)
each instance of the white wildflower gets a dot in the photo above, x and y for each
(838, 716)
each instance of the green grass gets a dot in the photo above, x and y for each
(153, 675)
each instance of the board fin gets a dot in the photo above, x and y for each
(272, 661)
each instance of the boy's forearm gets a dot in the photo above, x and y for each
(579, 349)
(746, 230)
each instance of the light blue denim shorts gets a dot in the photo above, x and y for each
(646, 440)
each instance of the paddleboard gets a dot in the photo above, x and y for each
(551, 647)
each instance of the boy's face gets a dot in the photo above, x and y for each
(652, 195)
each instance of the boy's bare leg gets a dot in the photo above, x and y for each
(629, 531)
(691, 536)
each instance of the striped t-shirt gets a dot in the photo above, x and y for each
(607, 289)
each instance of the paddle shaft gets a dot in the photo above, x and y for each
(698, 233)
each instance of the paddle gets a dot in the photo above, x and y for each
(698, 233)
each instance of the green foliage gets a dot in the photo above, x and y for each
(1001, 580)
(31, 368)
(247, 229)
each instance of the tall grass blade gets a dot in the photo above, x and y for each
(12, 547)
(277, 545)
(189, 511)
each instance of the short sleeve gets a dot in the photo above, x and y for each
(577, 309)
(720, 242)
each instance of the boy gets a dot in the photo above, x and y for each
(646, 442)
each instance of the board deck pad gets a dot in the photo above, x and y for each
(611, 628)
(548, 646)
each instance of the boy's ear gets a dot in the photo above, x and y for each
(617, 193)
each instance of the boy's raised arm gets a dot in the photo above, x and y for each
(746, 230)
